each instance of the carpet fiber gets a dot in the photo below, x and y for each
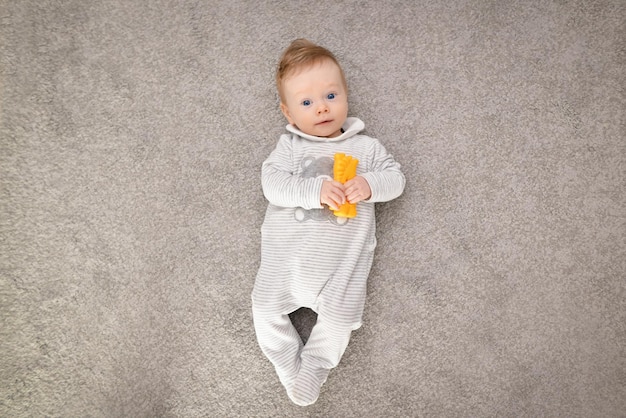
(132, 135)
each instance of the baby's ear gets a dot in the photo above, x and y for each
(285, 110)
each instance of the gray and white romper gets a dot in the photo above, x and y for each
(309, 257)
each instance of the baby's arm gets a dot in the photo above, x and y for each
(281, 187)
(384, 177)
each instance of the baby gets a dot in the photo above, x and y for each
(309, 257)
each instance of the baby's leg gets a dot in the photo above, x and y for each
(322, 352)
(280, 342)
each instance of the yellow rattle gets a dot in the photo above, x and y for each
(344, 169)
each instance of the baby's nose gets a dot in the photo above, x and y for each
(322, 109)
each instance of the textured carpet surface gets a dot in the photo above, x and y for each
(132, 134)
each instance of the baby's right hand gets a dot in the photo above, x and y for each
(332, 194)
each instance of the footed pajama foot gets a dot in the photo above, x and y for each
(288, 376)
(306, 387)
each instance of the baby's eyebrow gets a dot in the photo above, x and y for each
(331, 86)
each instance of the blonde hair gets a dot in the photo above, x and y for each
(299, 54)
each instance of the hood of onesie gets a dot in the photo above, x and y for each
(351, 127)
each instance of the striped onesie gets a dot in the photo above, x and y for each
(310, 258)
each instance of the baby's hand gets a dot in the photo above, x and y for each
(332, 194)
(357, 189)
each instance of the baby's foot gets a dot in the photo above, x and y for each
(306, 387)
(289, 375)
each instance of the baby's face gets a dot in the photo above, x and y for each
(316, 100)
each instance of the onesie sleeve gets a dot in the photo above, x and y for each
(383, 175)
(282, 186)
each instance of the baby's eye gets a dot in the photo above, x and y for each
(306, 103)
(330, 96)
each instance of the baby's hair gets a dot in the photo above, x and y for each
(299, 54)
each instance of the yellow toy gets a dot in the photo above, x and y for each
(344, 170)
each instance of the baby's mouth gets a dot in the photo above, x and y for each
(324, 122)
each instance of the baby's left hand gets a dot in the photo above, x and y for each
(357, 189)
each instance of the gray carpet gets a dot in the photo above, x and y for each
(132, 135)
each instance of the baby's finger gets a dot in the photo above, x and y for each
(354, 196)
(337, 194)
(339, 198)
(342, 197)
(334, 205)
(351, 183)
(333, 200)
(339, 186)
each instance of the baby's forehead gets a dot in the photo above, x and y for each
(326, 74)
(320, 62)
